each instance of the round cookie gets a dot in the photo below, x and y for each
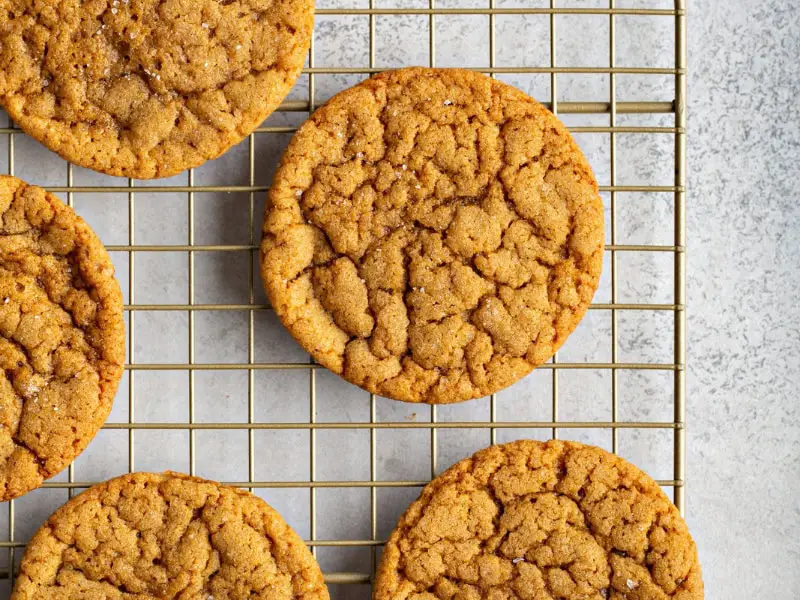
(432, 235)
(167, 536)
(62, 336)
(146, 88)
(533, 520)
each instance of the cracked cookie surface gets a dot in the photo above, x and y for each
(167, 536)
(148, 88)
(541, 521)
(432, 235)
(62, 336)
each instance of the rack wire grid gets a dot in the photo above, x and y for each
(215, 387)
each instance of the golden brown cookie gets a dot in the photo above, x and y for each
(541, 521)
(146, 88)
(62, 336)
(167, 536)
(433, 235)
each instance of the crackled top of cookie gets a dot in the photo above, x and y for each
(167, 536)
(146, 88)
(62, 340)
(541, 521)
(433, 235)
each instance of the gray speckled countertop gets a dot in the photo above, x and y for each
(744, 277)
(743, 221)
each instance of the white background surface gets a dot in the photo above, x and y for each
(744, 248)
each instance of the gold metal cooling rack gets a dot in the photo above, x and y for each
(610, 110)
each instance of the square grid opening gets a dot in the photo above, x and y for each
(227, 394)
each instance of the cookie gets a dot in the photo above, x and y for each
(167, 536)
(62, 336)
(140, 88)
(432, 235)
(533, 520)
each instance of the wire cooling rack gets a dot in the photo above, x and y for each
(241, 403)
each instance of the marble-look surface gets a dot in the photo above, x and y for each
(744, 275)
(743, 446)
